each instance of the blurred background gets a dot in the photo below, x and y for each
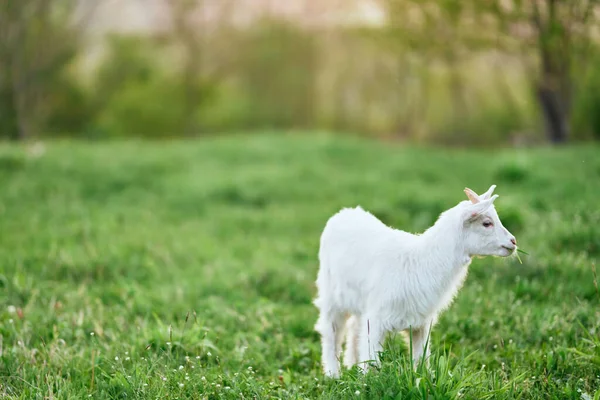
(449, 72)
(121, 247)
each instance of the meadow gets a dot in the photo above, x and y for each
(185, 269)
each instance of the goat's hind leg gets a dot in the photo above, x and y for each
(352, 335)
(421, 344)
(370, 342)
(331, 327)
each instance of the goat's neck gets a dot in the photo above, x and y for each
(443, 248)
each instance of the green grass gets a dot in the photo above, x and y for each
(186, 269)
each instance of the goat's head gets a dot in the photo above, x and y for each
(483, 231)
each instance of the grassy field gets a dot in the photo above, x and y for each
(186, 269)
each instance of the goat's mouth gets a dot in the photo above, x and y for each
(510, 249)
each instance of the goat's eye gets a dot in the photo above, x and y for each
(487, 224)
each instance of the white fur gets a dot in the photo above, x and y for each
(374, 279)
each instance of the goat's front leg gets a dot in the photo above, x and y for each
(420, 341)
(370, 342)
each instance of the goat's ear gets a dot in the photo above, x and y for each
(472, 196)
(474, 210)
(487, 194)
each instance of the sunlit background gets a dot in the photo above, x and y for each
(459, 72)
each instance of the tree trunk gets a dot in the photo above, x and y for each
(554, 94)
(555, 86)
(555, 113)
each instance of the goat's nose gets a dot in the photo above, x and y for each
(513, 241)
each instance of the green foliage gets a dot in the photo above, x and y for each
(136, 95)
(149, 109)
(276, 76)
(186, 269)
(586, 106)
(128, 60)
(68, 106)
(37, 46)
(133, 96)
(8, 118)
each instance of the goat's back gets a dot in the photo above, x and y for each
(356, 253)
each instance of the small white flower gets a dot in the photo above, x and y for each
(187, 378)
(11, 309)
(218, 386)
(495, 346)
(203, 379)
(187, 358)
(209, 354)
(145, 384)
(181, 385)
(126, 352)
(357, 393)
(198, 357)
(227, 388)
(510, 341)
(193, 367)
(117, 358)
(181, 367)
(92, 333)
(250, 369)
(10, 321)
(168, 343)
(127, 358)
(164, 378)
(550, 338)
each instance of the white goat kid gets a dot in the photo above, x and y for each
(374, 279)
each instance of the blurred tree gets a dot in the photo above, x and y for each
(134, 95)
(188, 34)
(551, 37)
(37, 41)
(277, 71)
(128, 60)
(191, 25)
(560, 33)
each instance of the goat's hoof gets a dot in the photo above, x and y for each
(332, 374)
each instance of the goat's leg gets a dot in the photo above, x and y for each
(421, 343)
(370, 342)
(331, 327)
(352, 335)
